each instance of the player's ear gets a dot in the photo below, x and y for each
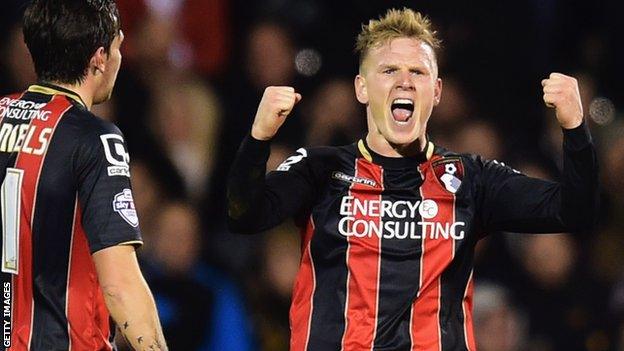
(97, 64)
(360, 89)
(437, 92)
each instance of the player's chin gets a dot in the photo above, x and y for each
(401, 135)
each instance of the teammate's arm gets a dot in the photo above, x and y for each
(256, 203)
(111, 226)
(128, 297)
(514, 202)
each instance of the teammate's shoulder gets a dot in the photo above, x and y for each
(91, 124)
(98, 140)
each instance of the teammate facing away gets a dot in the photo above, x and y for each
(389, 223)
(69, 225)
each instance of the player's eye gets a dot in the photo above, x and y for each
(389, 70)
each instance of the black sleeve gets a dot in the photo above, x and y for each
(109, 217)
(257, 203)
(514, 202)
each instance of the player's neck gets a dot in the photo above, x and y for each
(381, 146)
(81, 89)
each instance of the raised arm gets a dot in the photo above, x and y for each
(128, 298)
(514, 202)
(256, 203)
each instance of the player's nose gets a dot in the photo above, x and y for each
(405, 81)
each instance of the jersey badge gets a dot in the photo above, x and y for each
(123, 204)
(450, 172)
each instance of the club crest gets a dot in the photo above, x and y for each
(450, 172)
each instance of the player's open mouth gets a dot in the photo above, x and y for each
(402, 110)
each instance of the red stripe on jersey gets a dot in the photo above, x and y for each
(467, 309)
(31, 164)
(363, 261)
(85, 302)
(303, 293)
(436, 256)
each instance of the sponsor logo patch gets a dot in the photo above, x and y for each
(124, 205)
(353, 179)
(450, 172)
(116, 155)
(428, 209)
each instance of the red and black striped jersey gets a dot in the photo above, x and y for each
(388, 243)
(65, 194)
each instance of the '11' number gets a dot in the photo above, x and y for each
(10, 195)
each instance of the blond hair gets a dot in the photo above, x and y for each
(404, 23)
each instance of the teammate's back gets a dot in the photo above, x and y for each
(69, 226)
(53, 175)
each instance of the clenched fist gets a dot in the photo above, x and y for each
(562, 93)
(276, 104)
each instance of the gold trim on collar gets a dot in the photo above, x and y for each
(430, 147)
(50, 91)
(364, 151)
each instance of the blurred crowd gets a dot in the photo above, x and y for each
(194, 72)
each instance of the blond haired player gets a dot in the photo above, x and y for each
(390, 222)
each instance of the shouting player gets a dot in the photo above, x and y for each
(390, 223)
(69, 225)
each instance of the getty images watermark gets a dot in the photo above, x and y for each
(6, 314)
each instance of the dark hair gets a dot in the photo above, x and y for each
(63, 35)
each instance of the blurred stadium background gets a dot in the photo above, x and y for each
(193, 74)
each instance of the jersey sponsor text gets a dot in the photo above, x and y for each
(388, 228)
(22, 110)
